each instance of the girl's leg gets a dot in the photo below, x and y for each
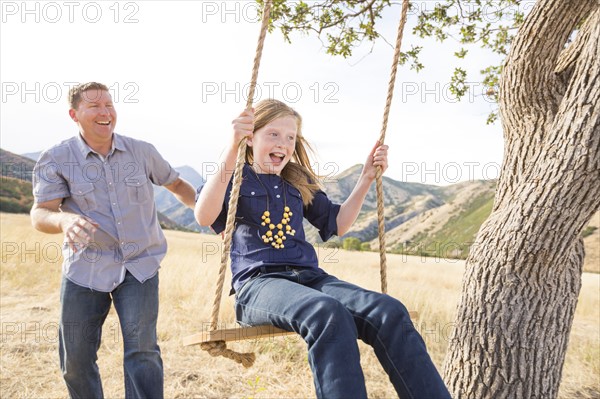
(384, 323)
(322, 321)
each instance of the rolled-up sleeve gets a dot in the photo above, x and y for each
(322, 213)
(48, 181)
(160, 171)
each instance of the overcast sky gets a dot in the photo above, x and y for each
(179, 70)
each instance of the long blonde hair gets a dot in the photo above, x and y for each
(298, 172)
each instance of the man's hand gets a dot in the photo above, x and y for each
(79, 230)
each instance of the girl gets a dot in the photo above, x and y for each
(276, 276)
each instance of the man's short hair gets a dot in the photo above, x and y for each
(76, 92)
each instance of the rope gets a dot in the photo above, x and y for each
(220, 348)
(379, 179)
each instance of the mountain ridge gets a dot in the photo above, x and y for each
(421, 219)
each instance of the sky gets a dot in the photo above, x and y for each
(178, 72)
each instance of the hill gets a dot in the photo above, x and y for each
(430, 220)
(15, 195)
(403, 201)
(16, 166)
(168, 224)
(16, 190)
(32, 155)
(168, 205)
(420, 219)
(449, 229)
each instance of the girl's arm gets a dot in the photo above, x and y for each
(210, 200)
(351, 207)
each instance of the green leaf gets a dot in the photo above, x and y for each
(462, 53)
(458, 85)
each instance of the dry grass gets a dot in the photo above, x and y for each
(592, 246)
(29, 286)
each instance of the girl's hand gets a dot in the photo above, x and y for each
(243, 126)
(351, 207)
(377, 157)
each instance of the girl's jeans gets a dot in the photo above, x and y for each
(331, 315)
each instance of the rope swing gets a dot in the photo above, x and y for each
(379, 178)
(214, 340)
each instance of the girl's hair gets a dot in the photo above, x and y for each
(298, 172)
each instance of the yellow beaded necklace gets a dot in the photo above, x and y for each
(276, 239)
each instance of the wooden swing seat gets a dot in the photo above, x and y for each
(246, 333)
(235, 334)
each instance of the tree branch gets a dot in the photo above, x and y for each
(568, 57)
(530, 65)
(368, 7)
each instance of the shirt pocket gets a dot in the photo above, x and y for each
(295, 193)
(252, 203)
(84, 197)
(137, 189)
(295, 200)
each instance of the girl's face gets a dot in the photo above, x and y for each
(273, 145)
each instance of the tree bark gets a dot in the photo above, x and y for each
(523, 274)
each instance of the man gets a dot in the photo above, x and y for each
(96, 189)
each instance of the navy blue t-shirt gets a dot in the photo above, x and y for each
(248, 249)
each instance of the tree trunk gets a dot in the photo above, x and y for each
(523, 274)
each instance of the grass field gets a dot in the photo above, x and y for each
(29, 297)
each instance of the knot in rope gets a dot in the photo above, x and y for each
(219, 348)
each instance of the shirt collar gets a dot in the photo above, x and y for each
(83, 147)
(117, 144)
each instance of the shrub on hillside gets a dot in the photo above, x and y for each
(352, 244)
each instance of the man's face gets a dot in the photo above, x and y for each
(96, 116)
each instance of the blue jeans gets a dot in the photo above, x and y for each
(83, 312)
(331, 315)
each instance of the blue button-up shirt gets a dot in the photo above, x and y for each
(116, 192)
(248, 250)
